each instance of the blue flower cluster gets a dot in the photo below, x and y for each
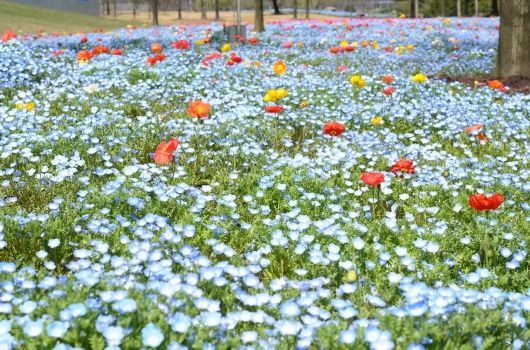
(259, 232)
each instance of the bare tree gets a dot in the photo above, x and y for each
(114, 10)
(203, 9)
(179, 8)
(107, 4)
(494, 8)
(154, 11)
(217, 10)
(442, 7)
(295, 8)
(306, 9)
(413, 13)
(458, 8)
(476, 7)
(513, 56)
(276, 7)
(135, 5)
(259, 24)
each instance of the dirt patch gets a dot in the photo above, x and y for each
(514, 84)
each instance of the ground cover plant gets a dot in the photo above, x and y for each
(314, 186)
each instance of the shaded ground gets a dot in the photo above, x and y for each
(515, 83)
(171, 17)
(30, 19)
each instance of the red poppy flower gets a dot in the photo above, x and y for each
(273, 109)
(334, 50)
(160, 57)
(372, 179)
(152, 60)
(235, 58)
(116, 52)
(349, 48)
(84, 55)
(252, 41)
(403, 166)
(164, 151)
(388, 90)
(287, 45)
(210, 57)
(84, 39)
(198, 109)
(334, 128)
(156, 48)
(481, 202)
(58, 52)
(181, 45)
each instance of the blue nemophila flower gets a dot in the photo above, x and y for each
(33, 328)
(113, 335)
(152, 335)
(57, 329)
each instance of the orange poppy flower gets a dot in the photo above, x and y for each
(403, 166)
(388, 79)
(84, 55)
(156, 48)
(482, 137)
(474, 128)
(198, 109)
(496, 85)
(116, 52)
(280, 68)
(98, 50)
(334, 129)
(164, 151)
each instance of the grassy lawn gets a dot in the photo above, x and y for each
(29, 19)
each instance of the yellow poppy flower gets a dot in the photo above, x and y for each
(419, 78)
(226, 47)
(377, 120)
(358, 81)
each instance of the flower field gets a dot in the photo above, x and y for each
(315, 186)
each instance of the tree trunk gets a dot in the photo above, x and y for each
(306, 9)
(154, 9)
(412, 9)
(295, 9)
(107, 2)
(276, 7)
(513, 56)
(494, 8)
(416, 9)
(179, 9)
(114, 10)
(203, 9)
(476, 8)
(458, 9)
(216, 10)
(259, 25)
(442, 7)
